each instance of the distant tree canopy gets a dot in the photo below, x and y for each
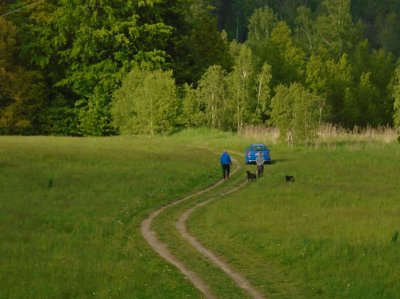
(109, 67)
(380, 20)
(84, 50)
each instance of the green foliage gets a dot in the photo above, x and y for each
(379, 67)
(208, 105)
(286, 59)
(382, 70)
(381, 22)
(243, 93)
(306, 34)
(396, 96)
(60, 119)
(297, 113)
(365, 111)
(240, 86)
(19, 87)
(387, 26)
(263, 108)
(336, 34)
(271, 42)
(332, 80)
(212, 92)
(146, 103)
(193, 111)
(94, 116)
(7, 42)
(261, 24)
(197, 43)
(19, 109)
(94, 44)
(69, 57)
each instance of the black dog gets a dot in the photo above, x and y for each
(289, 178)
(251, 176)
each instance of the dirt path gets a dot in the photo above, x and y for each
(241, 281)
(162, 248)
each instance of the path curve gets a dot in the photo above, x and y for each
(162, 248)
(240, 280)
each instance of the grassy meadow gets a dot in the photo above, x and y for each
(333, 233)
(71, 208)
(70, 211)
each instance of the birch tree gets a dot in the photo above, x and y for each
(332, 81)
(212, 92)
(336, 34)
(263, 108)
(261, 24)
(296, 112)
(193, 110)
(146, 103)
(240, 85)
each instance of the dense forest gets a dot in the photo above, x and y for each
(91, 67)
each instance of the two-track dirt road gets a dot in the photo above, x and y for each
(162, 248)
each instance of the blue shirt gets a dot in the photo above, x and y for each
(225, 159)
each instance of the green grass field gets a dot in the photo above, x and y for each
(70, 211)
(331, 234)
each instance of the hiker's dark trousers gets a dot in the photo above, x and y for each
(260, 170)
(226, 169)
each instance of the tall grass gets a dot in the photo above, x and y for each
(70, 211)
(330, 234)
(328, 134)
(269, 135)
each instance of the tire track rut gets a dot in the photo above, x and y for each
(162, 248)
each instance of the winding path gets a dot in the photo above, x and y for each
(162, 248)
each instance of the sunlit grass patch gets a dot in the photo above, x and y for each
(329, 234)
(70, 211)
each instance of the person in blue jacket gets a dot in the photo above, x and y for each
(226, 163)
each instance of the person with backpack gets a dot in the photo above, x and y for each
(226, 163)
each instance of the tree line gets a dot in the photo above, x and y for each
(380, 19)
(73, 67)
